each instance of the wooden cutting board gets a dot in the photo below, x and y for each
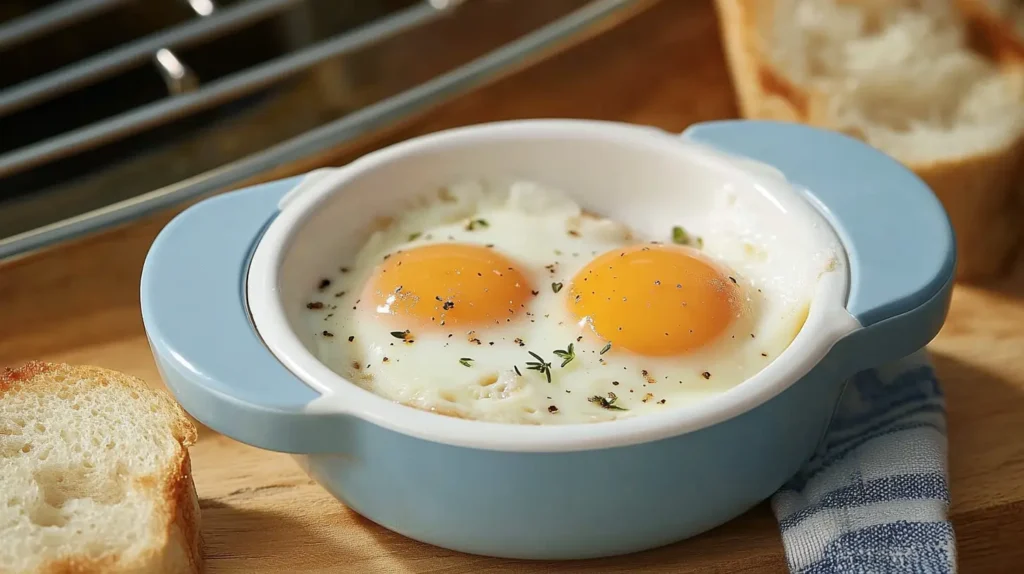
(80, 303)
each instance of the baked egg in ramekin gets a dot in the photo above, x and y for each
(551, 339)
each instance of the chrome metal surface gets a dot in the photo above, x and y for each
(202, 7)
(103, 65)
(178, 77)
(334, 76)
(231, 87)
(55, 16)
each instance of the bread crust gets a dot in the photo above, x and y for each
(994, 34)
(982, 193)
(179, 504)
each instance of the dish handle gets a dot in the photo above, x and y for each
(897, 237)
(197, 322)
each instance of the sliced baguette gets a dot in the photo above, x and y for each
(905, 76)
(94, 474)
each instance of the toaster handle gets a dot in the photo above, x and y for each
(897, 236)
(197, 322)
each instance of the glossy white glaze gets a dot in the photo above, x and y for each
(667, 182)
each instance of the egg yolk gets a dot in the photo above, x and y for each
(448, 285)
(655, 300)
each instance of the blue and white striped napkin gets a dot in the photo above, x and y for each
(874, 499)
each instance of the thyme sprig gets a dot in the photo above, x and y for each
(567, 355)
(607, 402)
(405, 336)
(540, 365)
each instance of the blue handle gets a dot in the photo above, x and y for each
(209, 354)
(896, 234)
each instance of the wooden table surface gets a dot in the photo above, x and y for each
(80, 303)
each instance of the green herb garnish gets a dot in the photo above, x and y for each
(607, 402)
(405, 335)
(681, 237)
(606, 348)
(516, 369)
(472, 225)
(567, 355)
(556, 287)
(539, 365)
(414, 236)
(466, 362)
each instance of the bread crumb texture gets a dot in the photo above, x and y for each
(900, 74)
(94, 474)
(936, 84)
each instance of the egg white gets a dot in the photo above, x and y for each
(484, 374)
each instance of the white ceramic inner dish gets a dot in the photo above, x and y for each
(642, 177)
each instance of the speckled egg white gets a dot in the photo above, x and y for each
(505, 302)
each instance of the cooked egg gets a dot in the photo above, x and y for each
(447, 285)
(506, 302)
(657, 300)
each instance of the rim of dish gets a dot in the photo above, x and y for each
(827, 320)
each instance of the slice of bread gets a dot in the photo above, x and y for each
(908, 77)
(94, 474)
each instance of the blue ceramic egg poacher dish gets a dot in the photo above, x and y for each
(222, 281)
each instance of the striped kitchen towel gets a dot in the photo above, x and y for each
(874, 498)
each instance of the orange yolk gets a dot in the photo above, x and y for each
(447, 285)
(655, 300)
